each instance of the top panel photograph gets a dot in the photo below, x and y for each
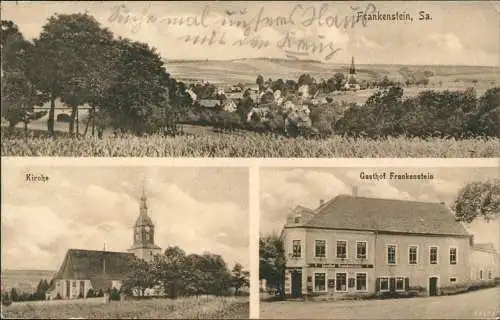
(240, 79)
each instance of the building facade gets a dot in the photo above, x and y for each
(357, 245)
(484, 262)
(83, 271)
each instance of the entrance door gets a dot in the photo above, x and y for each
(433, 286)
(296, 284)
(82, 288)
(68, 288)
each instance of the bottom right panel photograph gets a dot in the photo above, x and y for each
(379, 243)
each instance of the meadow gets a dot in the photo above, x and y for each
(250, 145)
(203, 307)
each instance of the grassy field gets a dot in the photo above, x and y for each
(250, 145)
(206, 307)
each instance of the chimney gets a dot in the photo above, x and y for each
(354, 191)
(321, 202)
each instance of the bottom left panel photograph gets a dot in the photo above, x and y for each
(124, 242)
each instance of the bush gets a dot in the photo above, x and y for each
(58, 297)
(90, 294)
(6, 300)
(80, 296)
(114, 295)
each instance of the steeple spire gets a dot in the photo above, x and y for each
(144, 199)
(352, 69)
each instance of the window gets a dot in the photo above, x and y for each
(391, 254)
(320, 248)
(341, 282)
(296, 248)
(490, 275)
(433, 255)
(342, 249)
(384, 284)
(453, 279)
(137, 236)
(480, 274)
(319, 282)
(147, 236)
(73, 284)
(453, 255)
(361, 281)
(412, 255)
(400, 284)
(297, 220)
(361, 249)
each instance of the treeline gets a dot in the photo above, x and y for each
(176, 274)
(458, 114)
(15, 296)
(122, 83)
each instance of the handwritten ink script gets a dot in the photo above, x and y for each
(209, 27)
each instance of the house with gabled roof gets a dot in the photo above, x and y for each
(99, 270)
(484, 262)
(359, 245)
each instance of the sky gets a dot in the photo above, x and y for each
(282, 189)
(197, 209)
(458, 33)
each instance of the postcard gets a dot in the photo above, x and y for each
(250, 79)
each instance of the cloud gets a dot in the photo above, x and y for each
(38, 232)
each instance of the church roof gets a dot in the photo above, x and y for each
(100, 267)
(386, 215)
(143, 220)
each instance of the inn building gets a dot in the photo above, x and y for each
(354, 244)
(101, 270)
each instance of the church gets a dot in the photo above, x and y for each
(352, 82)
(83, 271)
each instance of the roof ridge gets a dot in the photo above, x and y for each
(386, 214)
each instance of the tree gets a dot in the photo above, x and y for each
(69, 46)
(305, 79)
(478, 200)
(168, 270)
(139, 99)
(95, 61)
(140, 277)
(240, 277)
(14, 296)
(338, 81)
(486, 121)
(272, 261)
(19, 96)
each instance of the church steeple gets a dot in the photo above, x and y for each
(352, 69)
(144, 202)
(144, 230)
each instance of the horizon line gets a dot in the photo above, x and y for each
(327, 63)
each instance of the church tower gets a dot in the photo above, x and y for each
(144, 233)
(352, 69)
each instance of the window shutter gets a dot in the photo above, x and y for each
(377, 285)
(392, 284)
(407, 283)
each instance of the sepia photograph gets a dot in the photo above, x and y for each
(115, 242)
(250, 79)
(379, 243)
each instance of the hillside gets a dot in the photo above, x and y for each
(246, 71)
(25, 280)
